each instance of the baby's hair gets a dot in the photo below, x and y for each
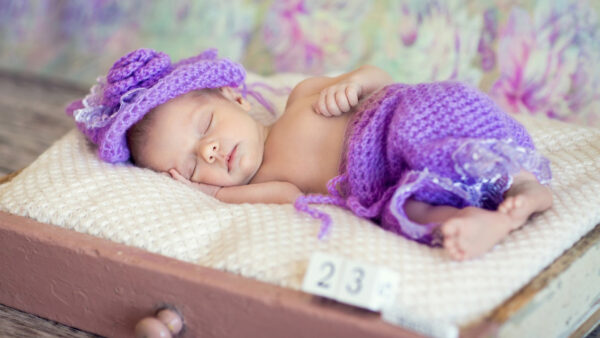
(137, 136)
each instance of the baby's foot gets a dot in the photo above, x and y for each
(473, 231)
(523, 199)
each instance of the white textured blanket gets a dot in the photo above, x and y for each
(69, 187)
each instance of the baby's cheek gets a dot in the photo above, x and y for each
(247, 168)
(206, 177)
(243, 166)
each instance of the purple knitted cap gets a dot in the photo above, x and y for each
(138, 82)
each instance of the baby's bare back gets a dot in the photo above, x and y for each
(303, 147)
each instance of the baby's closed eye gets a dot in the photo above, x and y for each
(208, 124)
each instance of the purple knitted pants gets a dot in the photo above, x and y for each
(442, 143)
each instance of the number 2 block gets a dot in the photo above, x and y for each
(323, 275)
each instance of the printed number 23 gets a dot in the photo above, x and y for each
(356, 284)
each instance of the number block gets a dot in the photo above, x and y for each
(356, 283)
(323, 275)
(385, 289)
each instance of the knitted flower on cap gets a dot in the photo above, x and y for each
(139, 82)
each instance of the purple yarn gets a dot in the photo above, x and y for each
(260, 98)
(140, 68)
(442, 143)
(139, 82)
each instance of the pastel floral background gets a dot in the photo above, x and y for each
(533, 57)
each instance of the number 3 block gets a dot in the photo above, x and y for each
(351, 282)
(357, 284)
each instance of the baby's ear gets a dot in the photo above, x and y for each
(235, 96)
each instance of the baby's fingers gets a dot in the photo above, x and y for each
(205, 188)
(321, 105)
(337, 99)
(352, 93)
(342, 101)
(208, 189)
(331, 101)
(176, 176)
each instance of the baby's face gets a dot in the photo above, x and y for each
(207, 138)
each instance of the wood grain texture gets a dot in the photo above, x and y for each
(526, 294)
(14, 323)
(31, 118)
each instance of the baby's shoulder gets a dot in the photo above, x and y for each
(307, 87)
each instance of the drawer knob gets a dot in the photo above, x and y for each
(165, 324)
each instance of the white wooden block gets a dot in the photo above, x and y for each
(386, 287)
(323, 275)
(357, 284)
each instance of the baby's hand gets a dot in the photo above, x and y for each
(205, 188)
(338, 99)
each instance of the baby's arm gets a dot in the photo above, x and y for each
(266, 192)
(339, 94)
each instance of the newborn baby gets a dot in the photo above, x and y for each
(190, 120)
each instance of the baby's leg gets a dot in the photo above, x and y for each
(525, 197)
(467, 232)
(472, 231)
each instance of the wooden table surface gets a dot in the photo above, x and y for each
(31, 118)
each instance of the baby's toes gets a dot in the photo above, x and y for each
(453, 249)
(449, 242)
(460, 256)
(518, 201)
(450, 229)
(466, 241)
(507, 205)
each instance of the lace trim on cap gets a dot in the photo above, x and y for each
(94, 115)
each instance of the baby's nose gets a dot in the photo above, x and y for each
(211, 152)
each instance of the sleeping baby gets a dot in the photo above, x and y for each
(439, 163)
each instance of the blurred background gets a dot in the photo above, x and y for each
(535, 57)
